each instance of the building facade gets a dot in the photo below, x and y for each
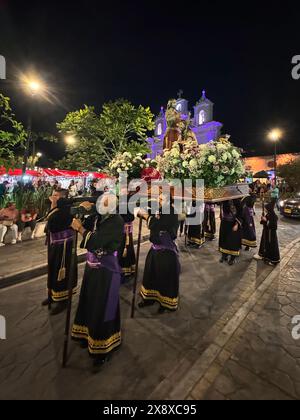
(202, 123)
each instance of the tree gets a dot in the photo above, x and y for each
(12, 134)
(120, 126)
(291, 173)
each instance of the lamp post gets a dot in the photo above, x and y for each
(275, 135)
(33, 87)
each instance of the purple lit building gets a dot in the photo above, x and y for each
(203, 125)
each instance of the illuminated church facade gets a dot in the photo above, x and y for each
(202, 123)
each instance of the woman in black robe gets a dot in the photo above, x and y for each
(60, 238)
(97, 320)
(269, 247)
(194, 229)
(162, 268)
(230, 241)
(209, 223)
(249, 231)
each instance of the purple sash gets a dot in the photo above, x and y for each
(59, 238)
(210, 207)
(228, 217)
(128, 228)
(111, 263)
(166, 243)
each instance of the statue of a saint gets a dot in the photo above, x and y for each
(173, 118)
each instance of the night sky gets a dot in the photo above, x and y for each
(94, 51)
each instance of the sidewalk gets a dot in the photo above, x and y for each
(27, 260)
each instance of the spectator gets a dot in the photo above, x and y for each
(3, 189)
(8, 219)
(72, 189)
(27, 219)
(275, 196)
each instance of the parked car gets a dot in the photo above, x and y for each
(291, 206)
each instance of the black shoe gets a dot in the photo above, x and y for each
(231, 261)
(59, 308)
(83, 344)
(223, 258)
(47, 302)
(145, 303)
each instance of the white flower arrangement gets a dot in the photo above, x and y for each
(219, 163)
(132, 164)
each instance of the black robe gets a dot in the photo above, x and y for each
(269, 247)
(162, 268)
(249, 231)
(127, 253)
(230, 242)
(195, 232)
(97, 318)
(209, 223)
(60, 251)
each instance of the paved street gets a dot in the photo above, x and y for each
(30, 257)
(230, 339)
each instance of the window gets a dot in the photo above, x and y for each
(159, 129)
(201, 117)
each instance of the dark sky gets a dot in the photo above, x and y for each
(93, 51)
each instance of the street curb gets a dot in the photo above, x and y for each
(41, 270)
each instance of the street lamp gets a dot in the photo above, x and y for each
(275, 135)
(70, 139)
(33, 87)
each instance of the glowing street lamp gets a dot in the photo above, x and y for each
(70, 139)
(33, 87)
(275, 135)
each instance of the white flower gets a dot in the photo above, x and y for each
(193, 163)
(224, 157)
(212, 159)
(235, 154)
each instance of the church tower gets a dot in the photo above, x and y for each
(203, 110)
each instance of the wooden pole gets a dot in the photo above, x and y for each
(136, 268)
(70, 296)
(49, 283)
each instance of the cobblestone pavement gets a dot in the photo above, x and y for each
(261, 360)
(223, 330)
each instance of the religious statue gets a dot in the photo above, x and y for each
(173, 118)
(187, 134)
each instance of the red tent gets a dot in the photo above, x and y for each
(18, 172)
(54, 173)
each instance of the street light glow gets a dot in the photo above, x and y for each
(32, 84)
(70, 140)
(275, 134)
(39, 154)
